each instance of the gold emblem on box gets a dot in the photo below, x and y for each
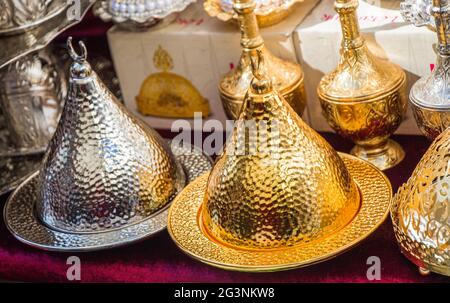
(166, 94)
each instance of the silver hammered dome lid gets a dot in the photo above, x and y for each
(103, 169)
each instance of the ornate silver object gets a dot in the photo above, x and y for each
(14, 170)
(138, 14)
(418, 12)
(106, 177)
(17, 16)
(34, 39)
(430, 95)
(32, 90)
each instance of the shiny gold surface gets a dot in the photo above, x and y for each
(364, 98)
(420, 210)
(165, 94)
(287, 77)
(185, 227)
(266, 15)
(277, 189)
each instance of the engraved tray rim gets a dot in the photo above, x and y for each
(218, 255)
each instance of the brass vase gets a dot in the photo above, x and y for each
(364, 98)
(429, 97)
(287, 77)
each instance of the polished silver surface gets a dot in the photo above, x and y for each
(16, 46)
(17, 16)
(430, 95)
(138, 14)
(104, 168)
(418, 12)
(21, 219)
(32, 90)
(106, 178)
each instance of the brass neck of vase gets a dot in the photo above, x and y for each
(351, 36)
(441, 14)
(250, 37)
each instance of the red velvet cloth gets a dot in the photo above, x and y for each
(159, 260)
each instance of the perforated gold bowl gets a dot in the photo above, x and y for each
(186, 228)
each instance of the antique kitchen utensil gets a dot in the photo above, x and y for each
(106, 179)
(279, 197)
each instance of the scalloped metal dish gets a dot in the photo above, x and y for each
(21, 219)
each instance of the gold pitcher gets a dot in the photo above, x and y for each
(287, 77)
(364, 98)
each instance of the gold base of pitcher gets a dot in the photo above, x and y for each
(383, 156)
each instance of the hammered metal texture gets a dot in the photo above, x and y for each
(287, 77)
(267, 12)
(364, 98)
(103, 168)
(293, 190)
(21, 219)
(185, 227)
(421, 210)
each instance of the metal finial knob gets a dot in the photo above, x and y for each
(80, 68)
(73, 54)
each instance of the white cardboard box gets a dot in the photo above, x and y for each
(318, 39)
(203, 49)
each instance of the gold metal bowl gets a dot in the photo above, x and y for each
(186, 227)
(266, 15)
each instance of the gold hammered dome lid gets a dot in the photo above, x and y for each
(280, 184)
(361, 76)
(103, 169)
(421, 210)
(279, 196)
(165, 94)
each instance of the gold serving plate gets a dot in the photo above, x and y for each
(168, 95)
(364, 99)
(279, 196)
(266, 14)
(420, 210)
(287, 77)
